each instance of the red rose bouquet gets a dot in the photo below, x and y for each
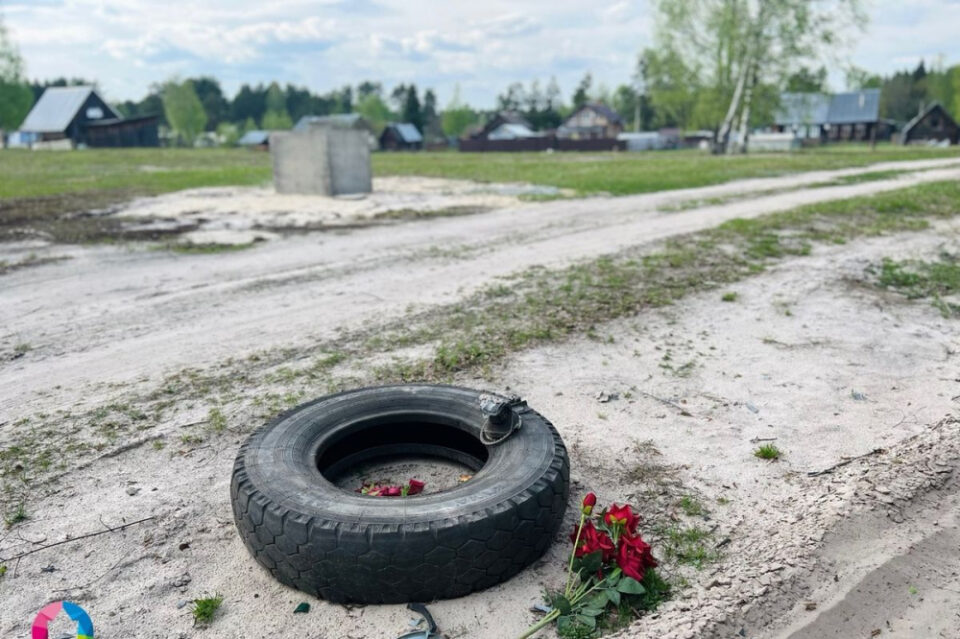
(611, 572)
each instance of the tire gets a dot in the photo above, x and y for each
(351, 548)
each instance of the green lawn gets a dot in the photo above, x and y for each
(626, 173)
(25, 174)
(117, 173)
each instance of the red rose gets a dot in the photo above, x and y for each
(621, 516)
(588, 503)
(634, 556)
(416, 487)
(391, 491)
(592, 540)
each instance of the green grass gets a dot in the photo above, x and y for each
(691, 506)
(18, 515)
(206, 249)
(768, 452)
(204, 609)
(729, 297)
(626, 173)
(917, 279)
(689, 546)
(133, 171)
(126, 172)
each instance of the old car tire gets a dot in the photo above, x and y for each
(347, 547)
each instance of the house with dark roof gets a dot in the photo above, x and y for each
(842, 116)
(401, 136)
(590, 122)
(932, 124)
(80, 115)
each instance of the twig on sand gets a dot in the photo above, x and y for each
(757, 440)
(683, 411)
(875, 451)
(72, 539)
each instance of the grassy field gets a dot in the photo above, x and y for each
(110, 174)
(626, 173)
(134, 171)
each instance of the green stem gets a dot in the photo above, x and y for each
(573, 554)
(540, 625)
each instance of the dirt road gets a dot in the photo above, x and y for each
(119, 314)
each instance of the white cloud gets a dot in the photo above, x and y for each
(128, 45)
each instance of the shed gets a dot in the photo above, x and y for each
(932, 124)
(401, 136)
(255, 140)
(116, 132)
(80, 115)
(591, 121)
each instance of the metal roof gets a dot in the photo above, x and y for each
(254, 138)
(802, 109)
(818, 108)
(858, 106)
(508, 131)
(407, 132)
(345, 120)
(57, 108)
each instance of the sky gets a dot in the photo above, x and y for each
(480, 45)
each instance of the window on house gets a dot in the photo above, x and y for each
(94, 113)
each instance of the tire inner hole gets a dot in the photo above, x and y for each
(440, 453)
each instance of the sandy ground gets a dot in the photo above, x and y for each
(869, 546)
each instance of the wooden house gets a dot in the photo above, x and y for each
(932, 124)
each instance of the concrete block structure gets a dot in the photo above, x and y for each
(321, 161)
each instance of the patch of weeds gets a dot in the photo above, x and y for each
(158, 444)
(918, 279)
(723, 501)
(22, 349)
(729, 297)
(19, 515)
(418, 214)
(216, 420)
(206, 249)
(768, 452)
(859, 178)
(3, 570)
(206, 608)
(689, 546)
(189, 440)
(691, 506)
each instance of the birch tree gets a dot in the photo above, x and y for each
(736, 45)
(16, 98)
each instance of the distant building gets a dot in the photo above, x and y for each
(933, 124)
(401, 136)
(79, 115)
(591, 121)
(259, 140)
(511, 131)
(841, 116)
(342, 121)
(505, 125)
